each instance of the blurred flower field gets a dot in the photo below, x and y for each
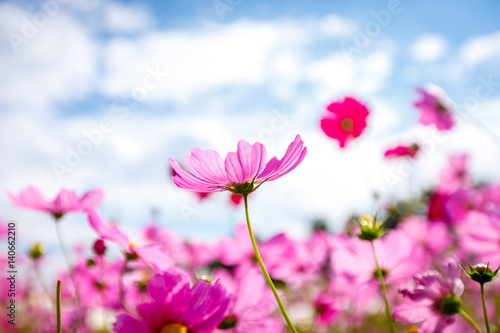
(427, 263)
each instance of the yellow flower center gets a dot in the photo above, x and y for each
(347, 124)
(174, 328)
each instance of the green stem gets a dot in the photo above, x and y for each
(384, 292)
(264, 270)
(486, 321)
(469, 319)
(121, 295)
(39, 278)
(70, 270)
(58, 306)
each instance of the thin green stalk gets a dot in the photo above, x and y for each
(39, 278)
(469, 319)
(58, 306)
(486, 321)
(70, 270)
(384, 292)
(264, 270)
(121, 295)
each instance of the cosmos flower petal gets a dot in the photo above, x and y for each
(154, 256)
(186, 180)
(65, 200)
(106, 231)
(125, 323)
(292, 158)
(92, 199)
(30, 198)
(206, 165)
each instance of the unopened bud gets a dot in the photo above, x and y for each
(99, 247)
(370, 228)
(36, 251)
(481, 273)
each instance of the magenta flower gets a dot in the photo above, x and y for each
(66, 201)
(176, 307)
(434, 301)
(242, 172)
(402, 151)
(251, 306)
(435, 107)
(326, 311)
(437, 207)
(236, 199)
(344, 120)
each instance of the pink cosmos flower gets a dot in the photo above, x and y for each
(66, 201)
(480, 237)
(241, 172)
(151, 254)
(344, 120)
(402, 151)
(455, 175)
(434, 301)
(433, 237)
(176, 307)
(326, 312)
(398, 256)
(251, 306)
(191, 255)
(435, 107)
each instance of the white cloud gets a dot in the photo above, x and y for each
(479, 49)
(55, 63)
(334, 26)
(428, 48)
(334, 75)
(125, 18)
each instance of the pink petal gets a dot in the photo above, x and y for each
(207, 165)
(65, 201)
(187, 181)
(108, 232)
(91, 199)
(128, 324)
(154, 256)
(413, 312)
(292, 158)
(30, 198)
(248, 161)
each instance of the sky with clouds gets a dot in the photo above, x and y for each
(97, 93)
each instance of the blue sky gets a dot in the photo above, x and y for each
(221, 79)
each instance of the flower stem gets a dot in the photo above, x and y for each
(39, 278)
(121, 295)
(384, 292)
(70, 270)
(486, 321)
(264, 270)
(469, 319)
(58, 306)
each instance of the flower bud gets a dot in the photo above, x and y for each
(370, 228)
(36, 251)
(99, 247)
(481, 273)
